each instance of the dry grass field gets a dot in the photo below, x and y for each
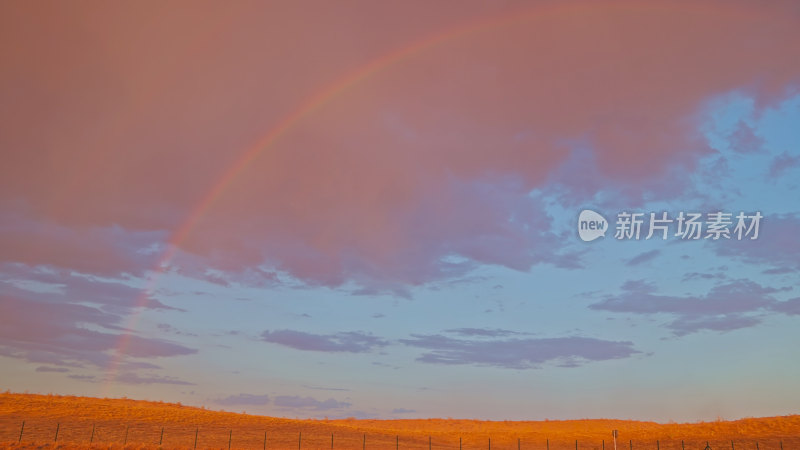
(132, 424)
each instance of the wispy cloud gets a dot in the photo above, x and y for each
(297, 402)
(346, 341)
(517, 353)
(643, 257)
(783, 163)
(724, 307)
(243, 399)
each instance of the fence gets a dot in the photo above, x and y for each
(185, 436)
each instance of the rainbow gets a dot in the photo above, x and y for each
(329, 93)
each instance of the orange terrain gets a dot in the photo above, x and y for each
(81, 422)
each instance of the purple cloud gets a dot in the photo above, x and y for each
(790, 307)
(777, 244)
(58, 285)
(403, 411)
(105, 251)
(350, 341)
(730, 322)
(782, 163)
(642, 258)
(51, 369)
(725, 307)
(517, 353)
(703, 276)
(745, 140)
(55, 332)
(133, 378)
(484, 332)
(243, 399)
(86, 378)
(290, 401)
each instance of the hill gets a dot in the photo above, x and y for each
(84, 422)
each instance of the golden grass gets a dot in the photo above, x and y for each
(143, 421)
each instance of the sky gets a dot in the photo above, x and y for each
(371, 209)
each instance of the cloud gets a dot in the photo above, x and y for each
(380, 186)
(86, 378)
(403, 411)
(133, 378)
(777, 244)
(71, 287)
(290, 401)
(703, 276)
(790, 307)
(52, 369)
(483, 332)
(108, 250)
(243, 399)
(783, 163)
(349, 341)
(727, 306)
(643, 257)
(517, 353)
(324, 388)
(71, 334)
(744, 139)
(692, 324)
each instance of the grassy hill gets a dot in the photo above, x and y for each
(139, 424)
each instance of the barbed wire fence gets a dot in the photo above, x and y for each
(237, 437)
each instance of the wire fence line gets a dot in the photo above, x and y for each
(238, 437)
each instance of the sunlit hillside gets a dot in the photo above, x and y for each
(81, 422)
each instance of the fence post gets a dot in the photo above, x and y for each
(397, 442)
(364, 445)
(429, 443)
(23, 429)
(781, 444)
(490, 443)
(732, 446)
(756, 445)
(299, 440)
(519, 444)
(459, 443)
(331, 441)
(630, 442)
(576, 444)
(548, 444)
(658, 445)
(230, 438)
(265, 440)
(682, 447)
(196, 430)
(604, 444)
(91, 439)
(161, 439)
(58, 425)
(125, 441)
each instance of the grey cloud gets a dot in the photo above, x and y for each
(293, 401)
(642, 258)
(132, 378)
(517, 353)
(484, 332)
(349, 341)
(51, 369)
(243, 399)
(724, 307)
